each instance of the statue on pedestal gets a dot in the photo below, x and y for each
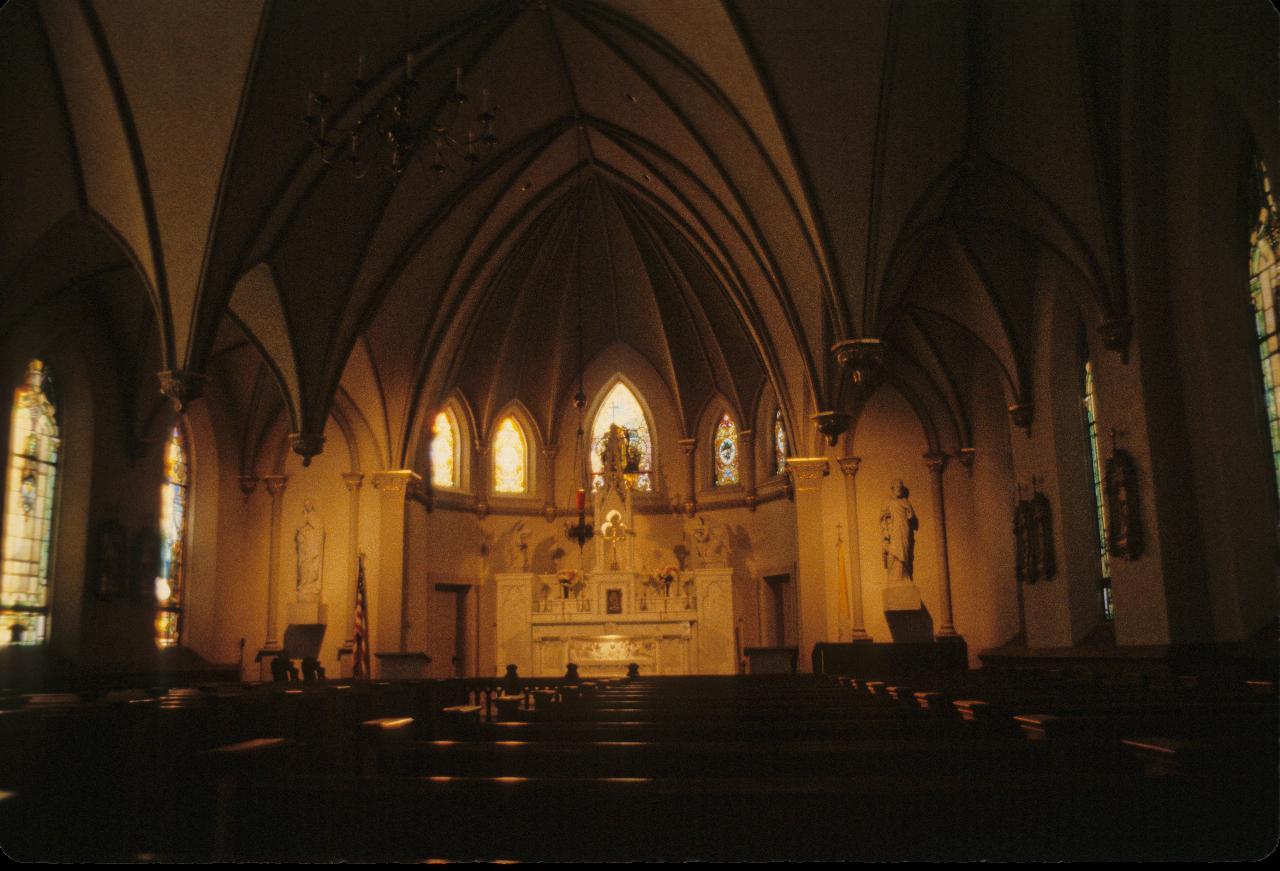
(308, 543)
(898, 525)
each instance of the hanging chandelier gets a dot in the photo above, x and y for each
(393, 126)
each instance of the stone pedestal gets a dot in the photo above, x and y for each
(514, 638)
(901, 597)
(307, 613)
(716, 653)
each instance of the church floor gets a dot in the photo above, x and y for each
(708, 768)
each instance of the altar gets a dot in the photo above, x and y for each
(616, 618)
(667, 622)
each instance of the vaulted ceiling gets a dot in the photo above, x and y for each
(731, 187)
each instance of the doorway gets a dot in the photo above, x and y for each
(448, 638)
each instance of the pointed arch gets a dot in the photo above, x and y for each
(725, 451)
(30, 508)
(510, 450)
(175, 497)
(1264, 282)
(621, 403)
(450, 445)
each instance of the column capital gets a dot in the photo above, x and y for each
(864, 359)
(832, 424)
(275, 483)
(746, 435)
(936, 461)
(687, 445)
(397, 481)
(182, 386)
(807, 471)
(849, 465)
(352, 480)
(550, 451)
(248, 483)
(1022, 413)
(306, 445)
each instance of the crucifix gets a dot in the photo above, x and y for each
(613, 530)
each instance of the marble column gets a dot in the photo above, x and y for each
(352, 480)
(811, 585)
(747, 462)
(691, 476)
(849, 466)
(275, 486)
(937, 463)
(396, 491)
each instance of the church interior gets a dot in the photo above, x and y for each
(616, 429)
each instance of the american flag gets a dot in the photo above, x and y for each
(360, 666)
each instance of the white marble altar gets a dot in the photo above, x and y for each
(689, 631)
(606, 619)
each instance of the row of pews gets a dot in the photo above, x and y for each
(976, 765)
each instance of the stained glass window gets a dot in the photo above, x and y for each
(725, 445)
(510, 458)
(171, 581)
(1264, 276)
(444, 451)
(779, 445)
(1095, 468)
(620, 406)
(29, 503)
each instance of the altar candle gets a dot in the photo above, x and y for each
(582, 499)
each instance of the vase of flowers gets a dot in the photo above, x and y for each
(668, 576)
(566, 579)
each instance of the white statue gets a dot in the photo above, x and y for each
(308, 542)
(518, 548)
(898, 525)
(708, 543)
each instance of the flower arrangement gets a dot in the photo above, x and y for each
(567, 579)
(668, 576)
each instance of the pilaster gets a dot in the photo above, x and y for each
(937, 463)
(849, 467)
(395, 489)
(691, 476)
(747, 451)
(807, 473)
(275, 486)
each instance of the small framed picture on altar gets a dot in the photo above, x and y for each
(613, 601)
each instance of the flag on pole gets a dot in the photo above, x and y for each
(360, 665)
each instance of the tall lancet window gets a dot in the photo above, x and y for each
(621, 406)
(1264, 276)
(29, 510)
(444, 451)
(1095, 469)
(725, 444)
(510, 458)
(779, 444)
(174, 499)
